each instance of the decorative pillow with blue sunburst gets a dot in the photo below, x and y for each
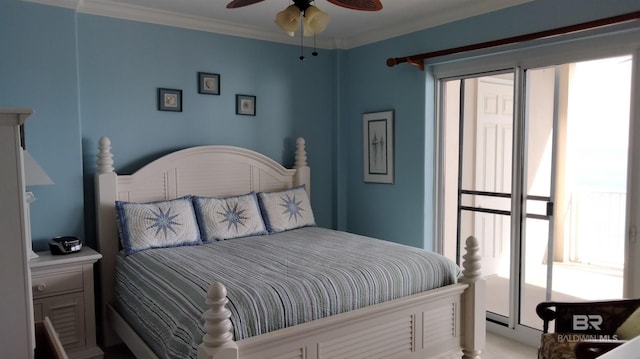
(229, 217)
(285, 210)
(159, 224)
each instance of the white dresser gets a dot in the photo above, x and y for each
(17, 338)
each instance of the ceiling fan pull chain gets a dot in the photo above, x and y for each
(315, 52)
(301, 38)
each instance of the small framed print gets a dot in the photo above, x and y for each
(245, 105)
(169, 100)
(208, 84)
(377, 138)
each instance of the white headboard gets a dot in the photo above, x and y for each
(202, 171)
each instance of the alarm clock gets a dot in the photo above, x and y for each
(65, 245)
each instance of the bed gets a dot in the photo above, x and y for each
(443, 318)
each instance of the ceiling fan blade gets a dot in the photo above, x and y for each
(240, 3)
(366, 5)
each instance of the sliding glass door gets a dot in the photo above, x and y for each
(577, 132)
(535, 166)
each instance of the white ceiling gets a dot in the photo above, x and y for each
(346, 29)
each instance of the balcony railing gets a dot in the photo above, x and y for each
(596, 231)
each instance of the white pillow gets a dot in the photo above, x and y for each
(285, 210)
(230, 217)
(157, 224)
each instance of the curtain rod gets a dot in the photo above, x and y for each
(418, 60)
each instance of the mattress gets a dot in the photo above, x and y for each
(273, 281)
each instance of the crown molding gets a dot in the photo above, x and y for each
(160, 17)
(69, 4)
(144, 14)
(436, 18)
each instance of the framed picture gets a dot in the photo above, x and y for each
(169, 100)
(245, 105)
(208, 84)
(377, 139)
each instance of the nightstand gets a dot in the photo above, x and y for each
(62, 288)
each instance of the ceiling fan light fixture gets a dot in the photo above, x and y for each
(315, 21)
(289, 19)
(311, 20)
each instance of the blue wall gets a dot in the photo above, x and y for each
(403, 212)
(87, 76)
(38, 69)
(125, 62)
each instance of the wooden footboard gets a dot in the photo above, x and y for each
(438, 323)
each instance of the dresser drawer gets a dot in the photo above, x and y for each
(50, 284)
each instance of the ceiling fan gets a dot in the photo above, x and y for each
(365, 5)
(308, 18)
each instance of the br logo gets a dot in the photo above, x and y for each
(586, 322)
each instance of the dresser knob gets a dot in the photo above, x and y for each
(41, 287)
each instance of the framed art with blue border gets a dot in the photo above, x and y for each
(208, 84)
(378, 147)
(245, 105)
(169, 100)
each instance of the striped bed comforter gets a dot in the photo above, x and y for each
(273, 281)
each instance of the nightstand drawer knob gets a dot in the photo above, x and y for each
(41, 287)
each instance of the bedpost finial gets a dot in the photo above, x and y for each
(104, 157)
(217, 291)
(217, 325)
(471, 260)
(301, 153)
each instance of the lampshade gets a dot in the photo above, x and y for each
(289, 19)
(315, 21)
(33, 173)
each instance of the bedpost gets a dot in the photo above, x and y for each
(107, 241)
(473, 299)
(217, 342)
(303, 172)
(105, 157)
